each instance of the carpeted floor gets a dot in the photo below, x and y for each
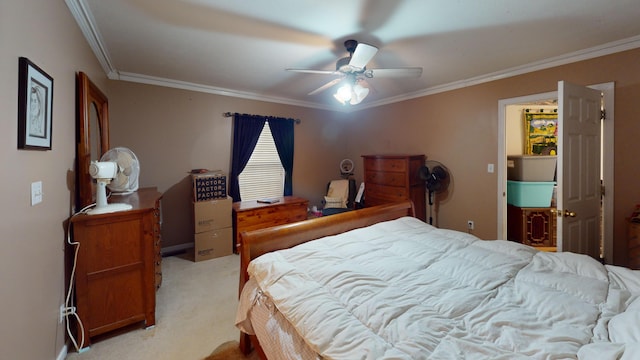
(195, 314)
(230, 351)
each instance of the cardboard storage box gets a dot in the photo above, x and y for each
(212, 214)
(213, 244)
(530, 193)
(209, 185)
(531, 167)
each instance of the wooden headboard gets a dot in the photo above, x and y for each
(257, 242)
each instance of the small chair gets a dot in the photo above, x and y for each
(340, 197)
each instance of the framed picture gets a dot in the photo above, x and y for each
(541, 133)
(35, 104)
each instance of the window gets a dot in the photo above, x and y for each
(263, 177)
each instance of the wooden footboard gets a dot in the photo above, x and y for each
(258, 242)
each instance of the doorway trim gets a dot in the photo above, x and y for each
(607, 160)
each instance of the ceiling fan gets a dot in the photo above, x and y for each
(353, 72)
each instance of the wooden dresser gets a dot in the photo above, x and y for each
(633, 233)
(119, 264)
(389, 178)
(532, 226)
(252, 215)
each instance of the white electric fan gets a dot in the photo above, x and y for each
(118, 169)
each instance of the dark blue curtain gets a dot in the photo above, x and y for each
(246, 131)
(282, 131)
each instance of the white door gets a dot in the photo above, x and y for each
(578, 171)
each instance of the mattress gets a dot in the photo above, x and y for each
(258, 316)
(403, 289)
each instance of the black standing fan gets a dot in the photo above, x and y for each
(436, 177)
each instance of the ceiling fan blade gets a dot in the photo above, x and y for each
(325, 86)
(399, 72)
(309, 71)
(362, 55)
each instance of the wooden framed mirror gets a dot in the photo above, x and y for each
(92, 136)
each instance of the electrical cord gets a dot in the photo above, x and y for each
(69, 309)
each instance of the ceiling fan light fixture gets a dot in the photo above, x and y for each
(354, 69)
(359, 92)
(351, 92)
(343, 95)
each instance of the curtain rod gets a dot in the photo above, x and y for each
(230, 114)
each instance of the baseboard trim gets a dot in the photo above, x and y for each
(63, 353)
(176, 249)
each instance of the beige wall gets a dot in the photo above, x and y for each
(33, 237)
(460, 129)
(172, 131)
(180, 130)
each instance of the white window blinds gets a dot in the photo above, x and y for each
(263, 177)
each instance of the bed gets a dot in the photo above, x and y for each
(380, 284)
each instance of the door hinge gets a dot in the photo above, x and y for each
(603, 114)
(601, 191)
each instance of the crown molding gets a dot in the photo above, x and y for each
(184, 85)
(80, 12)
(586, 54)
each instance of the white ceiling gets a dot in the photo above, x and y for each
(241, 48)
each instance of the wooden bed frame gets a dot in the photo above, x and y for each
(258, 242)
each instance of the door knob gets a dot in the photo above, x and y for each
(568, 213)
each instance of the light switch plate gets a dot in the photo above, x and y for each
(36, 192)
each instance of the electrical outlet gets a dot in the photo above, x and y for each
(470, 224)
(62, 314)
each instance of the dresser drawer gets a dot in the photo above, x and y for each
(386, 178)
(271, 216)
(382, 164)
(251, 215)
(389, 193)
(374, 201)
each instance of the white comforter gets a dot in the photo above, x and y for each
(403, 289)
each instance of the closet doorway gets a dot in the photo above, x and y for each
(547, 101)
